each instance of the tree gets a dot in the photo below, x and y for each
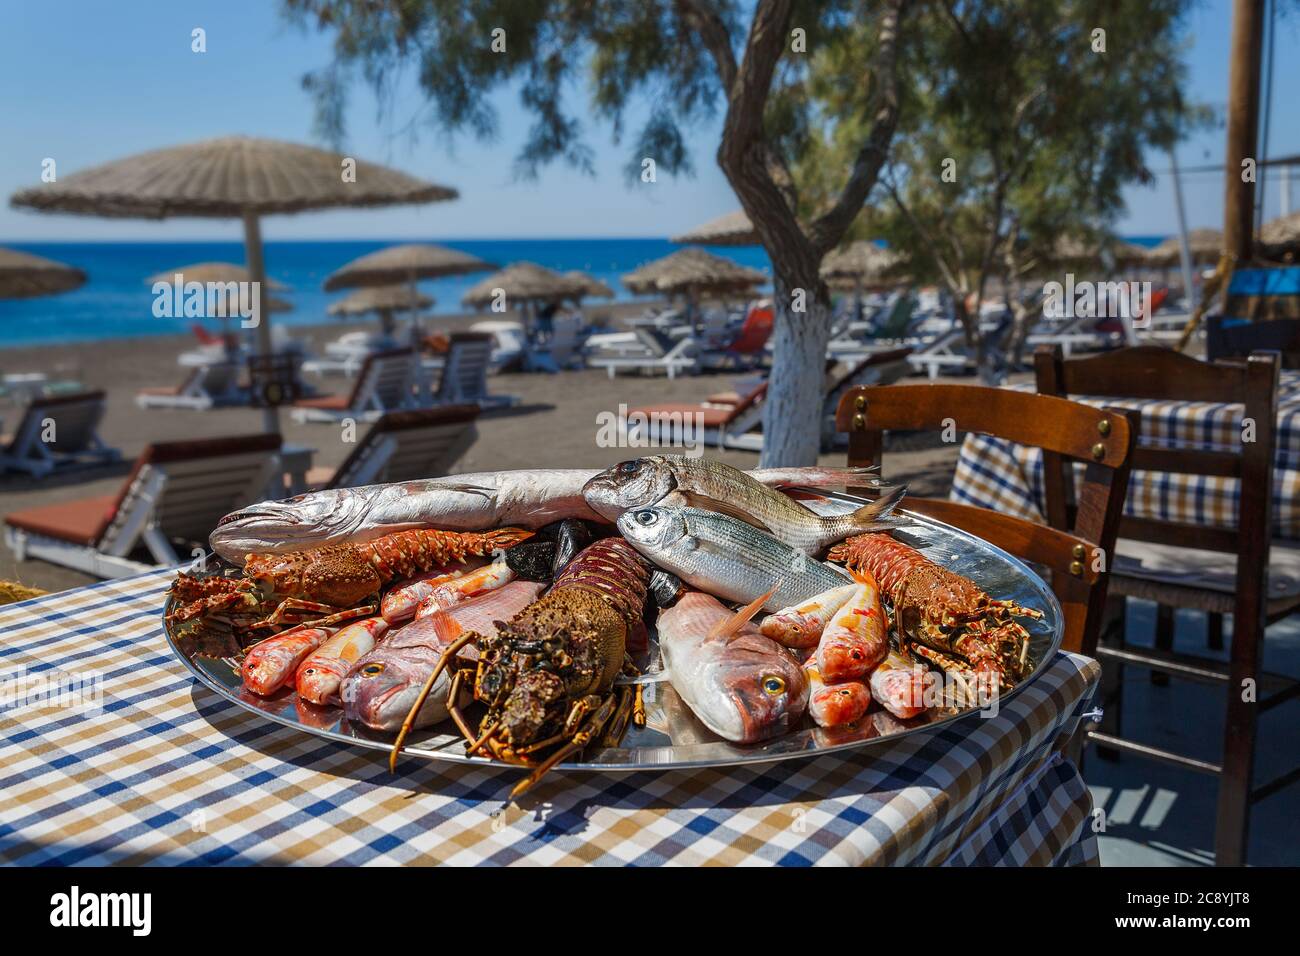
(1022, 124)
(687, 58)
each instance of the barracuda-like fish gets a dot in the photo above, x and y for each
(741, 685)
(727, 557)
(675, 481)
(382, 686)
(529, 498)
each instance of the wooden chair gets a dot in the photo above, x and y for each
(1074, 555)
(1149, 372)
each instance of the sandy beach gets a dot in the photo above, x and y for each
(554, 424)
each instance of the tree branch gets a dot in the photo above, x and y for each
(830, 227)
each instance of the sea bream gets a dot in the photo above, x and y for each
(675, 481)
(741, 685)
(725, 556)
(380, 689)
(528, 498)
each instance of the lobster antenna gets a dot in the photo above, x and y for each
(452, 650)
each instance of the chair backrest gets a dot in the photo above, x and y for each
(753, 334)
(386, 380)
(1227, 337)
(186, 487)
(1102, 438)
(899, 318)
(465, 369)
(410, 444)
(1150, 372)
(204, 336)
(76, 421)
(220, 378)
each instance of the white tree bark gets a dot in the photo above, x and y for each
(792, 408)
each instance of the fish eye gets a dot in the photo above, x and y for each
(645, 517)
(372, 670)
(773, 685)
(630, 467)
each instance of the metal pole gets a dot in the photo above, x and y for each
(1243, 127)
(1284, 183)
(257, 269)
(1184, 249)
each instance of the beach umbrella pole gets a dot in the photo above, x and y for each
(257, 269)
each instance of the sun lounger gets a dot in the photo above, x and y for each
(655, 352)
(176, 491)
(205, 387)
(747, 346)
(404, 446)
(946, 352)
(464, 378)
(58, 432)
(385, 383)
(728, 423)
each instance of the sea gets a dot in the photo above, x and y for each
(116, 301)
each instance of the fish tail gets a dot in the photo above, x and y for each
(731, 626)
(875, 515)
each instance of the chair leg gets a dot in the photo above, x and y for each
(1233, 817)
(1214, 631)
(1111, 689)
(1164, 640)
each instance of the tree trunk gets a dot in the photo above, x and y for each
(792, 408)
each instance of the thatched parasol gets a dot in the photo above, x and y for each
(591, 286)
(862, 263)
(383, 300)
(406, 263)
(206, 272)
(1205, 245)
(232, 177)
(733, 229)
(1282, 231)
(524, 282)
(25, 276)
(692, 271)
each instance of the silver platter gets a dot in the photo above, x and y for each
(673, 738)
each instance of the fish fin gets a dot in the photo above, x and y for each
(869, 516)
(705, 503)
(818, 476)
(730, 627)
(467, 489)
(690, 542)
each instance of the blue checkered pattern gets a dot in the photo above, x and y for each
(159, 770)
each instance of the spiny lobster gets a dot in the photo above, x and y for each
(321, 585)
(547, 676)
(947, 618)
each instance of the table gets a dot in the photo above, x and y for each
(1007, 477)
(163, 771)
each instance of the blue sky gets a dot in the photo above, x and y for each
(87, 81)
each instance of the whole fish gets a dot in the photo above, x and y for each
(400, 603)
(382, 686)
(675, 481)
(856, 639)
(831, 705)
(319, 676)
(741, 685)
(530, 498)
(445, 594)
(900, 685)
(801, 626)
(272, 663)
(727, 557)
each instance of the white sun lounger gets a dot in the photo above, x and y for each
(57, 433)
(176, 491)
(205, 387)
(385, 383)
(404, 446)
(652, 355)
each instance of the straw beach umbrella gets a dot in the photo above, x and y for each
(692, 273)
(591, 286)
(382, 300)
(206, 272)
(1205, 246)
(526, 284)
(1283, 231)
(25, 276)
(862, 263)
(405, 263)
(237, 177)
(733, 229)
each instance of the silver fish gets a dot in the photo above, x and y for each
(382, 686)
(527, 498)
(727, 557)
(741, 685)
(676, 481)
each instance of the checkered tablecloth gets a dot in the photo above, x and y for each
(998, 474)
(131, 761)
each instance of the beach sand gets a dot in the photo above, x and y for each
(555, 424)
